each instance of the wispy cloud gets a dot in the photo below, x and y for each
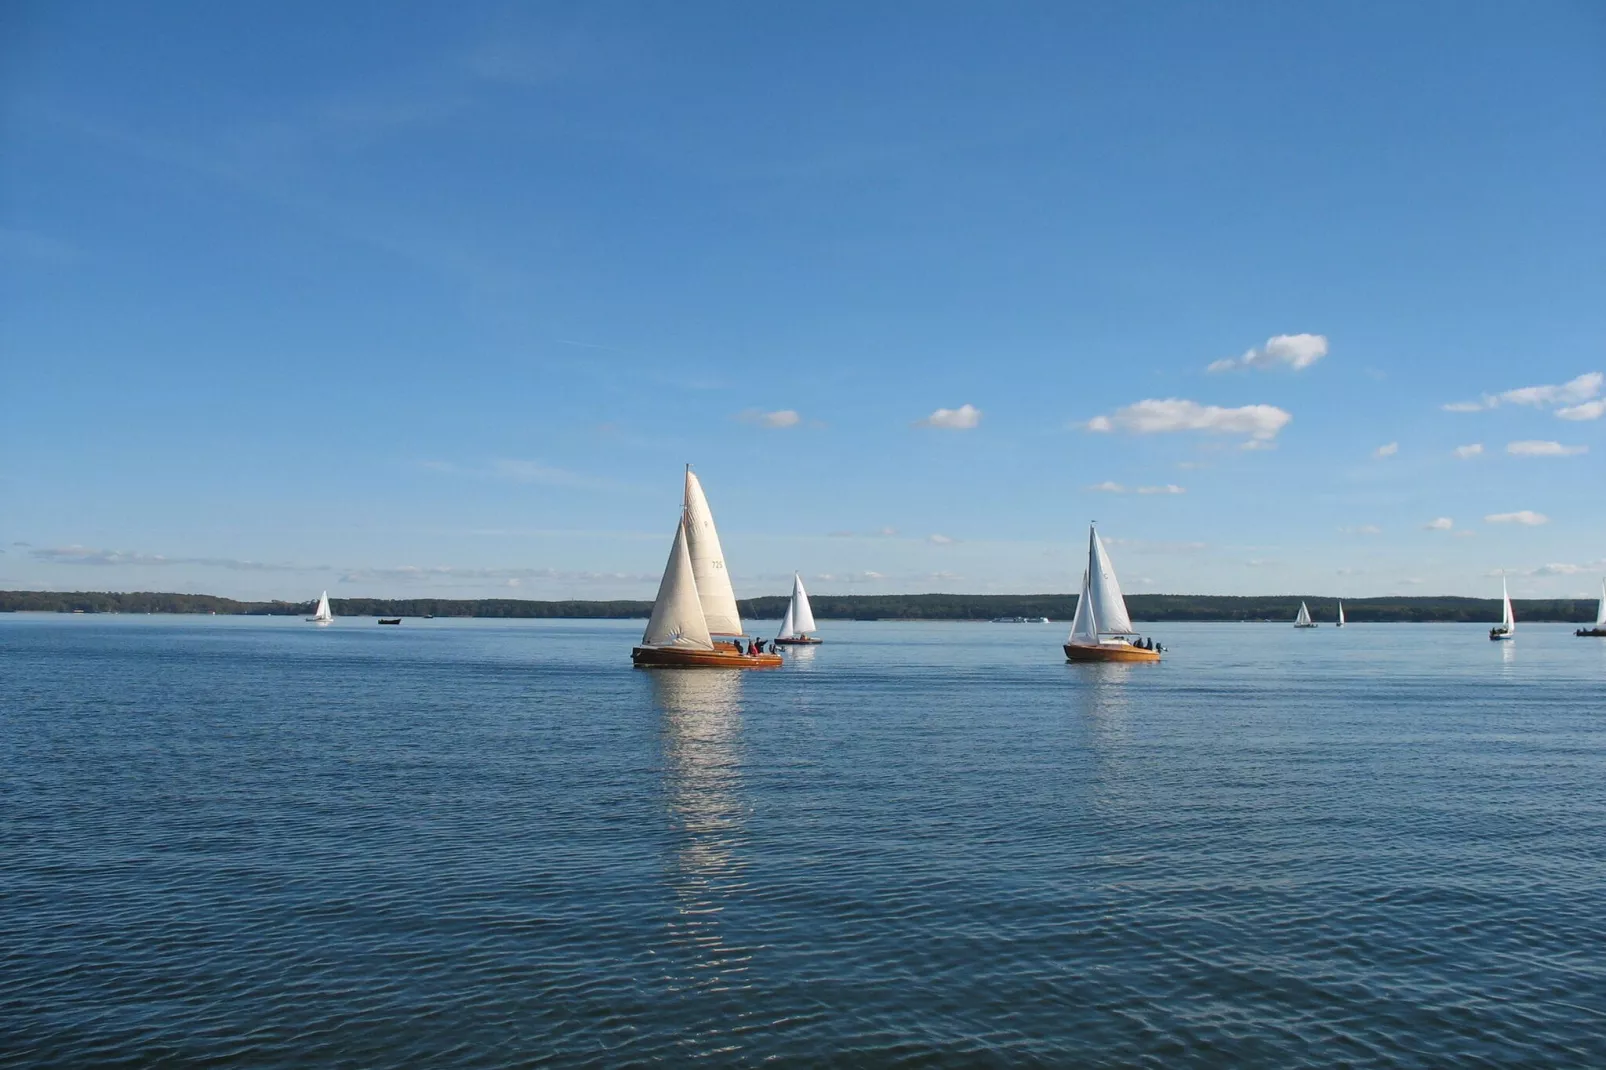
(1569, 394)
(1589, 410)
(515, 470)
(1296, 351)
(84, 555)
(423, 574)
(1535, 448)
(1108, 487)
(940, 540)
(1442, 523)
(1522, 516)
(963, 418)
(781, 418)
(1469, 451)
(1387, 450)
(1361, 529)
(1155, 416)
(1169, 488)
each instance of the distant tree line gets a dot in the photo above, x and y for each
(1059, 607)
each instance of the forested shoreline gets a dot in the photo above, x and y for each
(1058, 607)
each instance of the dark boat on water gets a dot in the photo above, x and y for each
(390, 620)
(1599, 630)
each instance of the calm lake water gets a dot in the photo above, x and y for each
(477, 843)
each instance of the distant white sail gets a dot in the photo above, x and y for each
(323, 614)
(1084, 627)
(1109, 608)
(1600, 611)
(1304, 616)
(713, 581)
(677, 614)
(1341, 613)
(802, 613)
(1508, 618)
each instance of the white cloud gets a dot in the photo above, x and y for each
(1569, 393)
(1297, 351)
(1108, 487)
(1152, 416)
(1472, 450)
(1388, 450)
(1442, 523)
(940, 540)
(1521, 516)
(1535, 448)
(1169, 488)
(961, 419)
(84, 555)
(778, 419)
(1589, 410)
(1363, 529)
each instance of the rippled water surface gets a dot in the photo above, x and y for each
(476, 843)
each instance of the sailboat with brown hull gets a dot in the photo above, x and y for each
(695, 623)
(1102, 629)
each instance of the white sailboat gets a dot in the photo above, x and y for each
(1303, 620)
(1340, 623)
(1507, 628)
(322, 615)
(1102, 629)
(1599, 630)
(799, 619)
(696, 605)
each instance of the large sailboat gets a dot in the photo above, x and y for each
(694, 621)
(1340, 623)
(1599, 630)
(1303, 620)
(1507, 628)
(1102, 630)
(322, 615)
(799, 619)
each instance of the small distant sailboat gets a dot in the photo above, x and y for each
(1599, 630)
(1102, 630)
(1303, 620)
(695, 601)
(322, 615)
(799, 619)
(1507, 628)
(1340, 623)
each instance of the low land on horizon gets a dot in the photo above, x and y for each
(1155, 608)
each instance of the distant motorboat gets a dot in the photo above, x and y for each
(1599, 630)
(323, 615)
(390, 620)
(1303, 620)
(1507, 628)
(1021, 620)
(799, 619)
(1102, 629)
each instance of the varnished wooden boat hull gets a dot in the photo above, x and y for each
(644, 657)
(798, 642)
(1109, 652)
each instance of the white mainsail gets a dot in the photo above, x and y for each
(677, 614)
(1508, 619)
(1304, 616)
(1341, 613)
(1084, 628)
(713, 582)
(1600, 611)
(323, 614)
(1109, 608)
(801, 612)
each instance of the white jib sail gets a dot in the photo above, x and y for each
(1340, 612)
(788, 629)
(801, 613)
(1600, 611)
(1304, 614)
(1109, 608)
(677, 615)
(323, 612)
(708, 563)
(1084, 628)
(1508, 619)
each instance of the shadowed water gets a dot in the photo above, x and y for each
(476, 843)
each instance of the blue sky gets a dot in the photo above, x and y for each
(407, 299)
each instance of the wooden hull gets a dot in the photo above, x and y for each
(799, 642)
(647, 657)
(1109, 652)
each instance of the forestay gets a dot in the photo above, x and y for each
(708, 563)
(677, 615)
